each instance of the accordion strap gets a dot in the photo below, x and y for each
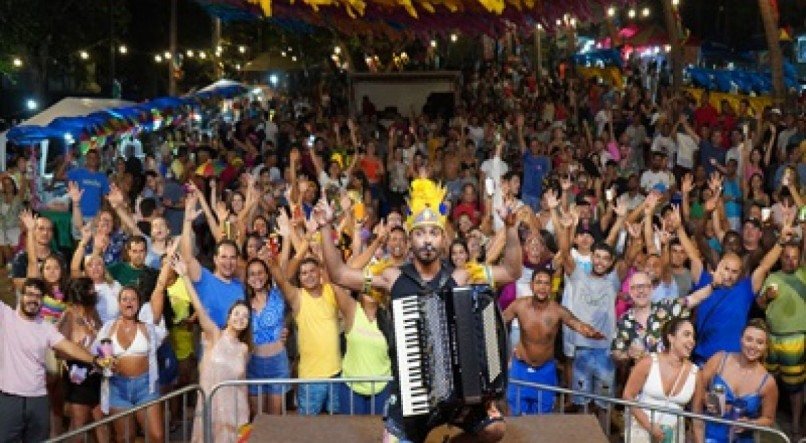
(411, 272)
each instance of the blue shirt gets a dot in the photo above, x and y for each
(218, 296)
(720, 318)
(535, 167)
(95, 186)
(733, 208)
(709, 151)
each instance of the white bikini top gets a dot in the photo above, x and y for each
(138, 347)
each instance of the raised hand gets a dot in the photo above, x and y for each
(191, 207)
(115, 196)
(293, 156)
(552, 200)
(322, 213)
(28, 219)
(687, 184)
(99, 243)
(172, 246)
(508, 214)
(635, 230)
(345, 202)
(179, 266)
(566, 219)
(283, 224)
(715, 182)
(381, 230)
(74, 192)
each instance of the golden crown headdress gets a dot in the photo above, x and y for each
(426, 204)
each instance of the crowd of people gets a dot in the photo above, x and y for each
(642, 243)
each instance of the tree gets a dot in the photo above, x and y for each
(673, 30)
(769, 17)
(49, 33)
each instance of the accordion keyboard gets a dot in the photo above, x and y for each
(411, 373)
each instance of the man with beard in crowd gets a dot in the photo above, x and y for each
(24, 338)
(426, 225)
(540, 318)
(782, 298)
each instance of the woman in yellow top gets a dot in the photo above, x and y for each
(367, 356)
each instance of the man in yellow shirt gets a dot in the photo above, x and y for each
(315, 307)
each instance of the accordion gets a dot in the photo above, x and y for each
(451, 350)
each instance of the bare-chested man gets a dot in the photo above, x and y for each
(540, 318)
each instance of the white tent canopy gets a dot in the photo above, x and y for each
(221, 84)
(66, 107)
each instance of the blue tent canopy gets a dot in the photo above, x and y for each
(101, 120)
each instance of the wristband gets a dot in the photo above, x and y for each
(367, 280)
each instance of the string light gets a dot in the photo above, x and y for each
(242, 49)
(675, 2)
(454, 38)
(190, 53)
(611, 11)
(337, 50)
(17, 62)
(158, 58)
(167, 55)
(123, 49)
(202, 55)
(84, 55)
(645, 12)
(631, 13)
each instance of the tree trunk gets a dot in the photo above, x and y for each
(769, 18)
(676, 53)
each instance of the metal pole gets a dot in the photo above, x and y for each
(172, 48)
(111, 50)
(216, 43)
(539, 49)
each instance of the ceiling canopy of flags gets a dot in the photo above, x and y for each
(397, 18)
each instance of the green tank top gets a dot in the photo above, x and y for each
(367, 354)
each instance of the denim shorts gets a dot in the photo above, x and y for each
(313, 398)
(275, 366)
(128, 392)
(593, 373)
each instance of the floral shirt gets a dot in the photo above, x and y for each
(629, 330)
(114, 252)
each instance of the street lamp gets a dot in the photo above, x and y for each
(31, 104)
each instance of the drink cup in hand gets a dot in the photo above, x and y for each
(765, 214)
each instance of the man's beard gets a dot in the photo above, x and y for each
(31, 310)
(426, 254)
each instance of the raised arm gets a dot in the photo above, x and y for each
(158, 295)
(691, 249)
(770, 258)
(81, 247)
(75, 193)
(290, 292)
(29, 221)
(207, 324)
(192, 265)
(118, 203)
(339, 272)
(511, 266)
